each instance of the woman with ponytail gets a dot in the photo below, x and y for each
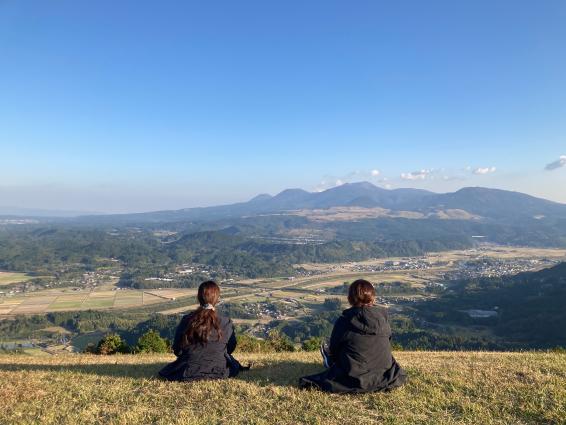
(204, 342)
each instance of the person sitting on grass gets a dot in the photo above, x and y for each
(358, 358)
(204, 342)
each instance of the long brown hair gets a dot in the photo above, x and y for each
(204, 319)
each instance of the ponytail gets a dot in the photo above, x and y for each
(202, 321)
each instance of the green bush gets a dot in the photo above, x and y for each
(112, 344)
(279, 342)
(249, 344)
(312, 344)
(274, 342)
(151, 342)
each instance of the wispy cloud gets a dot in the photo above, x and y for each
(484, 170)
(561, 162)
(416, 175)
(375, 173)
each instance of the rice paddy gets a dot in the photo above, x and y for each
(71, 300)
(7, 278)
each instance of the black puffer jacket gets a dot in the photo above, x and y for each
(202, 361)
(361, 354)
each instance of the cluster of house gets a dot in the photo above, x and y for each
(490, 267)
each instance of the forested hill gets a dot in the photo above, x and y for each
(350, 222)
(50, 249)
(529, 307)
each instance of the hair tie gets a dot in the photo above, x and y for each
(208, 307)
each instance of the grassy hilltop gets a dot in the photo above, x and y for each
(445, 387)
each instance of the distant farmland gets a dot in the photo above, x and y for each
(7, 278)
(86, 300)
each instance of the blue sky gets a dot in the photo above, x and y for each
(136, 105)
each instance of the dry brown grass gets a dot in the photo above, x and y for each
(444, 388)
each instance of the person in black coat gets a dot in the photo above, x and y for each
(204, 342)
(358, 358)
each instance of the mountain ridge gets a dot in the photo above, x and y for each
(493, 204)
(496, 204)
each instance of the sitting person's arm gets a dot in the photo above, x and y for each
(231, 344)
(336, 337)
(179, 336)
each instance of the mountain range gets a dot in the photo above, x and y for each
(356, 202)
(487, 204)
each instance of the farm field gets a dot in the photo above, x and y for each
(7, 278)
(68, 300)
(303, 290)
(310, 289)
(449, 257)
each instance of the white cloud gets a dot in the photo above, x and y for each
(375, 173)
(561, 162)
(484, 170)
(416, 175)
(339, 182)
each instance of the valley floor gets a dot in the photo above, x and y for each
(444, 388)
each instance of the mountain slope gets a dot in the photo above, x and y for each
(443, 387)
(496, 203)
(529, 306)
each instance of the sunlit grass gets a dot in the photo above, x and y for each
(447, 388)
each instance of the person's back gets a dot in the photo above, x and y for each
(204, 342)
(363, 351)
(359, 356)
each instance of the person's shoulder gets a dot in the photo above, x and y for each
(346, 315)
(381, 311)
(186, 317)
(224, 320)
(348, 311)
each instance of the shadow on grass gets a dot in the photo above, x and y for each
(285, 373)
(138, 370)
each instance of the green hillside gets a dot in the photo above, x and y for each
(445, 387)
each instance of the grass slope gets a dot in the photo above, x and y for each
(447, 388)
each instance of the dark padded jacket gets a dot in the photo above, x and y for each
(202, 361)
(361, 354)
